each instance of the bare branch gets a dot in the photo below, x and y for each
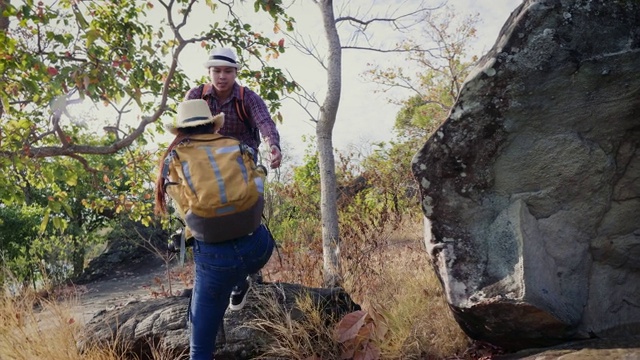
(403, 83)
(395, 21)
(84, 163)
(303, 102)
(55, 121)
(395, 50)
(306, 48)
(37, 138)
(4, 21)
(185, 14)
(120, 112)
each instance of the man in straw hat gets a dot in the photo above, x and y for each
(223, 256)
(221, 96)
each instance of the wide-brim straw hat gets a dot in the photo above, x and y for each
(222, 57)
(193, 113)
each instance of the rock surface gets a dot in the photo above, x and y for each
(139, 327)
(531, 188)
(627, 348)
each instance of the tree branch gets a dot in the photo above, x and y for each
(185, 15)
(305, 48)
(84, 163)
(395, 21)
(396, 50)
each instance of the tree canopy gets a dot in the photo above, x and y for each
(84, 89)
(121, 55)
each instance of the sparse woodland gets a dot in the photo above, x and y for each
(66, 185)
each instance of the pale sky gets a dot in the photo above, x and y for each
(364, 115)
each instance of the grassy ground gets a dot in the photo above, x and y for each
(404, 313)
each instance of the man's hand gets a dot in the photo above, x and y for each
(276, 157)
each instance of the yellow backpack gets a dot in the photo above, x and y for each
(217, 186)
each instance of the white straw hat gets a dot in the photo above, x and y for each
(193, 113)
(222, 57)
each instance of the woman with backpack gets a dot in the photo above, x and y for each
(246, 118)
(217, 189)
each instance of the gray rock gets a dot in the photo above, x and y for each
(625, 348)
(531, 188)
(137, 328)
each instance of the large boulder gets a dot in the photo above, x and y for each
(139, 329)
(531, 188)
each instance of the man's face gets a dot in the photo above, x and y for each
(223, 77)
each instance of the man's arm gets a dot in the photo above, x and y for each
(260, 114)
(262, 118)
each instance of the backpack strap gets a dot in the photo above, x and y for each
(205, 89)
(241, 110)
(165, 169)
(243, 114)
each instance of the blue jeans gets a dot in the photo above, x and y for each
(219, 267)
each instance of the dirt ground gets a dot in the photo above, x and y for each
(123, 287)
(139, 282)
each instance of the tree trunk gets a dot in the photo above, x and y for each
(4, 21)
(332, 273)
(4, 25)
(79, 252)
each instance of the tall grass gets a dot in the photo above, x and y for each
(387, 272)
(32, 328)
(294, 335)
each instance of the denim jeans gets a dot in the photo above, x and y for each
(219, 267)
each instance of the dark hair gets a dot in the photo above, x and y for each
(200, 129)
(183, 134)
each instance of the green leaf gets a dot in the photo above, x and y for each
(24, 124)
(67, 209)
(213, 6)
(45, 221)
(82, 22)
(92, 35)
(72, 179)
(57, 223)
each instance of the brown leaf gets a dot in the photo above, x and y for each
(381, 323)
(369, 352)
(350, 325)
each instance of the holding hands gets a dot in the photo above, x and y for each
(276, 157)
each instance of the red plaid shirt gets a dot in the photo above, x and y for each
(233, 126)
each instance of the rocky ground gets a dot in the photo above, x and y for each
(123, 275)
(125, 287)
(127, 271)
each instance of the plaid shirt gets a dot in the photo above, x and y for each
(233, 126)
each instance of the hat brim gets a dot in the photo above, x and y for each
(212, 63)
(218, 123)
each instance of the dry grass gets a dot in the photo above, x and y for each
(31, 328)
(35, 329)
(388, 273)
(397, 281)
(294, 337)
